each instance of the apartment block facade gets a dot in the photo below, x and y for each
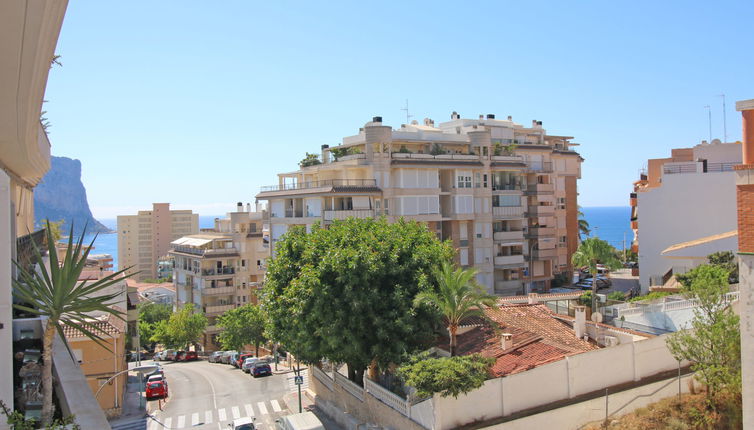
(221, 268)
(144, 238)
(686, 200)
(504, 194)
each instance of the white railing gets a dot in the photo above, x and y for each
(514, 158)
(509, 259)
(508, 235)
(385, 396)
(218, 309)
(673, 305)
(435, 157)
(357, 213)
(508, 211)
(322, 377)
(352, 388)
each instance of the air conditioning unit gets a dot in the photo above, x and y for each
(611, 341)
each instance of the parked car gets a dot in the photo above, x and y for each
(241, 358)
(158, 371)
(170, 354)
(249, 363)
(246, 423)
(157, 389)
(157, 378)
(587, 284)
(225, 358)
(191, 356)
(157, 356)
(180, 356)
(215, 356)
(261, 368)
(302, 421)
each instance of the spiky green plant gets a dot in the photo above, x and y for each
(457, 297)
(57, 294)
(591, 252)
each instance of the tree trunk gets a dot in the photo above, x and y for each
(257, 347)
(373, 370)
(594, 293)
(359, 377)
(351, 373)
(49, 336)
(452, 329)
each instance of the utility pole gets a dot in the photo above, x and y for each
(725, 122)
(709, 115)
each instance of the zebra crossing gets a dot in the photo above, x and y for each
(201, 418)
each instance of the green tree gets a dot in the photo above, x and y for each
(617, 296)
(584, 229)
(183, 328)
(55, 228)
(447, 376)
(726, 260)
(346, 293)
(57, 294)
(309, 160)
(149, 315)
(244, 325)
(590, 253)
(457, 297)
(160, 333)
(713, 343)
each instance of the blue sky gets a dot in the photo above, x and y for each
(201, 103)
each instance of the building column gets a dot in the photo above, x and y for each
(7, 240)
(745, 209)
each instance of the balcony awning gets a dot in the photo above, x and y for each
(703, 246)
(191, 241)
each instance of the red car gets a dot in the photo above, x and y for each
(190, 356)
(180, 356)
(241, 359)
(156, 389)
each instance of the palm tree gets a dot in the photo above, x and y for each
(55, 293)
(457, 297)
(583, 225)
(591, 252)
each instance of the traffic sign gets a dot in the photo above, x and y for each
(298, 380)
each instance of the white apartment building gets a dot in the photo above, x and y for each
(504, 194)
(144, 238)
(221, 268)
(684, 208)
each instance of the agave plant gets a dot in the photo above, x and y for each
(57, 294)
(457, 297)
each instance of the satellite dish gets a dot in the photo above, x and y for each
(597, 317)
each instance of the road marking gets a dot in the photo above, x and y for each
(168, 422)
(181, 421)
(236, 413)
(249, 410)
(195, 418)
(208, 417)
(221, 415)
(153, 425)
(275, 406)
(262, 408)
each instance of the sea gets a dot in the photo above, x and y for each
(612, 224)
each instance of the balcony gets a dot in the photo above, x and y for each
(508, 287)
(540, 210)
(697, 167)
(543, 254)
(540, 167)
(344, 214)
(508, 211)
(217, 309)
(328, 185)
(217, 291)
(219, 272)
(540, 189)
(541, 232)
(510, 261)
(206, 253)
(508, 235)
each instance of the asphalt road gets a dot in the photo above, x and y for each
(209, 396)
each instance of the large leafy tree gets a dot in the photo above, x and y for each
(150, 314)
(346, 293)
(182, 329)
(447, 376)
(584, 229)
(713, 342)
(57, 294)
(590, 253)
(242, 326)
(457, 297)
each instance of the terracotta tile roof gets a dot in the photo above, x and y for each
(105, 326)
(571, 319)
(538, 338)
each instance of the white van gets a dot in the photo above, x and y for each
(302, 421)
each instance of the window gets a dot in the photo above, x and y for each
(477, 180)
(506, 201)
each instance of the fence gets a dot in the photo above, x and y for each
(349, 386)
(673, 305)
(393, 400)
(322, 377)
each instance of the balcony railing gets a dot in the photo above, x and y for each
(541, 231)
(507, 187)
(537, 254)
(540, 188)
(217, 272)
(507, 260)
(503, 287)
(508, 235)
(218, 309)
(357, 183)
(220, 252)
(508, 211)
(539, 210)
(435, 157)
(343, 214)
(217, 291)
(540, 166)
(697, 167)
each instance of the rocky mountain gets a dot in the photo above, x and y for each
(61, 195)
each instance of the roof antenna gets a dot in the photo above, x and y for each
(408, 117)
(725, 125)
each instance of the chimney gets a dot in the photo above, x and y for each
(481, 116)
(506, 341)
(325, 154)
(427, 121)
(239, 207)
(248, 207)
(579, 326)
(746, 107)
(455, 115)
(533, 298)
(510, 118)
(533, 123)
(377, 119)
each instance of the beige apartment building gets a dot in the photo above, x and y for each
(504, 194)
(221, 268)
(145, 237)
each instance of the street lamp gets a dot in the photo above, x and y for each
(140, 369)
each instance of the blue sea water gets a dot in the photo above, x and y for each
(608, 223)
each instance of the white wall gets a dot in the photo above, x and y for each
(6, 335)
(686, 207)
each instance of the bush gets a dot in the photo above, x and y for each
(447, 376)
(404, 150)
(586, 299)
(651, 296)
(617, 295)
(309, 160)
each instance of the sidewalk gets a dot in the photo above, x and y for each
(282, 367)
(133, 405)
